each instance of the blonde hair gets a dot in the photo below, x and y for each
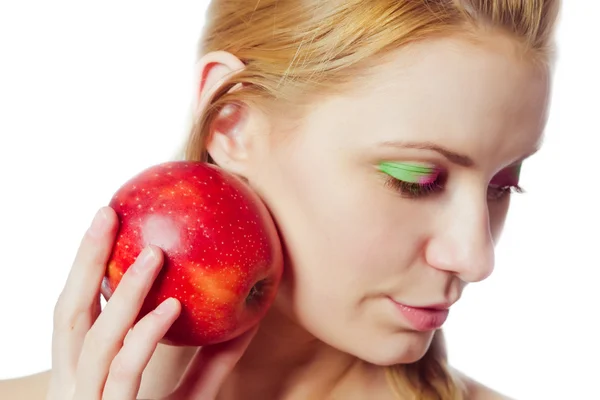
(297, 50)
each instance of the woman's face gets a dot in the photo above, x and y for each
(397, 192)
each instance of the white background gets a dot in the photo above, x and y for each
(93, 92)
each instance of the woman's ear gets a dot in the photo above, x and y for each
(229, 140)
(212, 70)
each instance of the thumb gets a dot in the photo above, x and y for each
(209, 368)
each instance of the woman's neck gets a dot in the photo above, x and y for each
(286, 362)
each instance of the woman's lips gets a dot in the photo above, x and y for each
(423, 318)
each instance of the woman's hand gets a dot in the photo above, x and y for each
(102, 354)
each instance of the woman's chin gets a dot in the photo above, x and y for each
(402, 348)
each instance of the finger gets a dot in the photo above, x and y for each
(209, 368)
(125, 374)
(76, 308)
(90, 261)
(105, 337)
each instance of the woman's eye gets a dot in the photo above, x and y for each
(413, 190)
(505, 183)
(419, 180)
(412, 180)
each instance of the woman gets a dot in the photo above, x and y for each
(386, 138)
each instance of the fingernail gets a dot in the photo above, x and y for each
(146, 259)
(166, 306)
(99, 223)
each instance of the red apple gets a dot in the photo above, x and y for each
(223, 258)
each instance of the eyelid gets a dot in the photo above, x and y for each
(411, 172)
(509, 176)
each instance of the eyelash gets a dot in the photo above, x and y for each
(506, 190)
(413, 190)
(417, 190)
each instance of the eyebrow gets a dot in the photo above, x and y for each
(452, 156)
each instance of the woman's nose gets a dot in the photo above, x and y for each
(463, 243)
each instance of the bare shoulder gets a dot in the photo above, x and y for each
(31, 387)
(476, 390)
(167, 365)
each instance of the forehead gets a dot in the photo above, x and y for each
(446, 90)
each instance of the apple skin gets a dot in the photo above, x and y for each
(222, 254)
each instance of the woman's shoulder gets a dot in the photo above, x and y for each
(476, 390)
(31, 387)
(167, 365)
